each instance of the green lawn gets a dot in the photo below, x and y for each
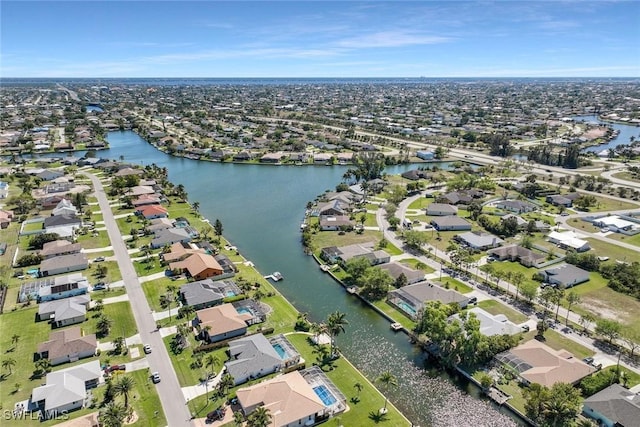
(632, 240)
(607, 204)
(417, 264)
(344, 376)
(395, 314)
(145, 400)
(323, 239)
(557, 341)
(370, 221)
(94, 240)
(154, 288)
(494, 307)
(32, 226)
(456, 285)
(613, 251)
(113, 272)
(420, 203)
(514, 266)
(123, 323)
(182, 361)
(144, 268)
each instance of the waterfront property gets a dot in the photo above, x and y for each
(198, 265)
(395, 270)
(227, 320)
(492, 324)
(613, 406)
(66, 390)
(343, 254)
(252, 357)
(207, 293)
(535, 362)
(297, 398)
(411, 299)
(67, 345)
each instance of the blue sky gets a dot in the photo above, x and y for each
(320, 39)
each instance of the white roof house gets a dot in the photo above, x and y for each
(616, 223)
(569, 239)
(491, 325)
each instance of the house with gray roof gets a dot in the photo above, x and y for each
(478, 240)
(614, 406)
(207, 293)
(395, 270)
(59, 247)
(66, 390)
(411, 299)
(565, 276)
(64, 312)
(63, 225)
(492, 324)
(450, 223)
(64, 264)
(55, 288)
(441, 209)
(252, 357)
(169, 236)
(517, 206)
(559, 200)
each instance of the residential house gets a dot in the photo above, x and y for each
(568, 240)
(615, 406)
(49, 175)
(415, 175)
(220, 323)
(321, 158)
(492, 324)
(146, 199)
(565, 276)
(67, 345)
(4, 189)
(62, 225)
(450, 223)
(559, 200)
(411, 299)
(66, 390)
(64, 312)
(461, 197)
(252, 357)
(524, 256)
(59, 247)
(618, 224)
(139, 190)
(50, 202)
(293, 399)
(152, 211)
(169, 236)
(243, 156)
(517, 206)
(479, 240)
(65, 207)
(334, 207)
(64, 264)
(274, 158)
(335, 222)
(207, 293)
(59, 187)
(5, 218)
(395, 270)
(159, 224)
(199, 266)
(55, 288)
(127, 171)
(425, 155)
(538, 363)
(441, 209)
(345, 253)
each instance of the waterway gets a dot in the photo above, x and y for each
(623, 137)
(261, 208)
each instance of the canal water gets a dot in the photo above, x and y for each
(623, 137)
(261, 208)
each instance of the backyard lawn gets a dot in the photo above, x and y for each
(495, 307)
(123, 323)
(323, 239)
(456, 285)
(417, 264)
(395, 314)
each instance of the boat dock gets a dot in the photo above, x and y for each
(276, 276)
(396, 326)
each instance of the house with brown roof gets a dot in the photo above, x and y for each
(67, 345)
(179, 251)
(293, 399)
(538, 363)
(220, 323)
(59, 247)
(524, 256)
(152, 211)
(199, 266)
(5, 218)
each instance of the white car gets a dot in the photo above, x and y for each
(155, 377)
(147, 349)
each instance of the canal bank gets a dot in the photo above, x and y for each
(261, 209)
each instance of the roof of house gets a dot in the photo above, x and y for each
(395, 269)
(616, 403)
(67, 281)
(539, 363)
(196, 263)
(449, 221)
(337, 220)
(64, 261)
(58, 220)
(202, 291)
(516, 204)
(129, 171)
(67, 385)
(479, 239)
(567, 273)
(151, 210)
(491, 324)
(517, 251)
(358, 249)
(288, 398)
(427, 291)
(169, 236)
(442, 207)
(59, 247)
(222, 318)
(567, 238)
(67, 341)
(250, 355)
(519, 220)
(66, 308)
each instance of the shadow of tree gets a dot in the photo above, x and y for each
(377, 417)
(355, 400)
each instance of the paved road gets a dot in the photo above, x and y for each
(171, 396)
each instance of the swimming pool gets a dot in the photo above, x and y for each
(325, 395)
(230, 294)
(244, 310)
(407, 308)
(281, 352)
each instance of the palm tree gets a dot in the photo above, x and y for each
(358, 388)
(210, 362)
(14, 340)
(387, 379)
(123, 387)
(226, 382)
(118, 344)
(168, 298)
(99, 305)
(43, 365)
(238, 418)
(195, 206)
(335, 324)
(261, 417)
(517, 278)
(113, 415)
(8, 364)
(572, 299)
(103, 325)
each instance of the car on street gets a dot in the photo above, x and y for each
(147, 349)
(98, 259)
(155, 377)
(564, 214)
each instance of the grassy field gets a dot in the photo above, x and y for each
(154, 288)
(145, 400)
(98, 239)
(632, 240)
(614, 252)
(557, 341)
(494, 307)
(514, 266)
(322, 239)
(607, 204)
(420, 203)
(123, 324)
(456, 285)
(418, 265)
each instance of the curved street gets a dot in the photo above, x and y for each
(173, 403)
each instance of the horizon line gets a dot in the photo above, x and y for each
(328, 77)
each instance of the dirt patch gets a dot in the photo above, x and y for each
(131, 419)
(602, 310)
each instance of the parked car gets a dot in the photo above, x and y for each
(99, 286)
(588, 360)
(525, 328)
(98, 259)
(215, 415)
(155, 377)
(147, 349)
